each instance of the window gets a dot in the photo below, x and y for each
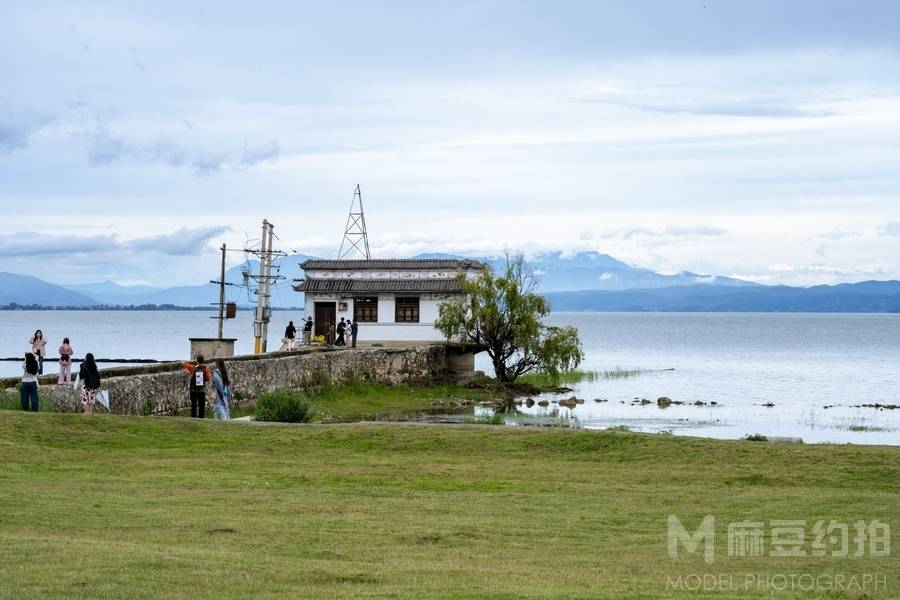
(365, 310)
(406, 310)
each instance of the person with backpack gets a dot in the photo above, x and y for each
(200, 377)
(222, 405)
(28, 388)
(307, 331)
(39, 349)
(65, 362)
(90, 383)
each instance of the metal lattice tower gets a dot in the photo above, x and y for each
(355, 236)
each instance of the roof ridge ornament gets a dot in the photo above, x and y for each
(356, 238)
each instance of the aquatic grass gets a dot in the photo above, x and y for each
(619, 373)
(859, 427)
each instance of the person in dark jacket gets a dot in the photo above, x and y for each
(290, 331)
(200, 378)
(307, 331)
(341, 329)
(354, 330)
(90, 383)
(28, 388)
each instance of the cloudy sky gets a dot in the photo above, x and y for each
(758, 139)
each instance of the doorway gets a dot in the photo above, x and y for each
(326, 312)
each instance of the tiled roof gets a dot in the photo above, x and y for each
(412, 264)
(349, 286)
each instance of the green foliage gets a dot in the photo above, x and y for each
(496, 418)
(9, 400)
(282, 405)
(503, 316)
(756, 437)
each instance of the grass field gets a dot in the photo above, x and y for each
(142, 507)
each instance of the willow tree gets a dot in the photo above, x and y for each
(503, 315)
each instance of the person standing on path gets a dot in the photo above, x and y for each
(354, 330)
(65, 362)
(200, 377)
(39, 349)
(341, 329)
(307, 331)
(222, 405)
(290, 332)
(90, 383)
(28, 388)
(329, 333)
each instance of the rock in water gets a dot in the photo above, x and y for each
(543, 403)
(529, 402)
(663, 401)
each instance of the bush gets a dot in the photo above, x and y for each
(9, 400)
(756, 437)
(284, 406)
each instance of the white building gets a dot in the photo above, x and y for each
(391, 300)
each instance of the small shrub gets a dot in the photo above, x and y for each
(9, 400)
(619, 428)
(494, 419)
(284, 406)
(756, 437)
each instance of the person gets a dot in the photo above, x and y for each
(65, 362)
(354, 330)
(90, 383)
(307, 331)
(341, 328)
(290, 331)
(329, 333)
(28, 390)
(39, 349)
(200, 377)
(222, 405)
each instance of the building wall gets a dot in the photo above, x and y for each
(386, 330)
(163, 389)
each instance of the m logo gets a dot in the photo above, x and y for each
(705, 534)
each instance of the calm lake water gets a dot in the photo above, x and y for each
(799, 362)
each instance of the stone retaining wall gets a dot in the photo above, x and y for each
(163, 389)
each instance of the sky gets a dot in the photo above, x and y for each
(756, 139)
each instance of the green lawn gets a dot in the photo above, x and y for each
(143, 507)
(357, 400)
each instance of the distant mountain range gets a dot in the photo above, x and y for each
(866, 296)
(573, 282)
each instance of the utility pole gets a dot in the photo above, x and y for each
(222, 295)
(355, 235)
(260, 325)
(264, 279)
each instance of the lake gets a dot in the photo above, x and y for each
(801, 363)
